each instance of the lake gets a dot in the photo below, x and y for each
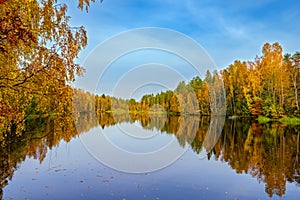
(152, 157)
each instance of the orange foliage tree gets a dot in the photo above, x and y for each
(37, 52)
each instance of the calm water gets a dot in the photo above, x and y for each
(246, 160)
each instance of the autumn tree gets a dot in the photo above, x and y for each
(200, 88)
(237, 90)
(38, 47)
(292, 63)
(268, 85)
(273, 74)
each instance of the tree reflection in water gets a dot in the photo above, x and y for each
(268, 152)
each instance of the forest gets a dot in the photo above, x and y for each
(39, 108)
(38, 49)
(267, 86)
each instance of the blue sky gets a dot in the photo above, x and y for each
(227, 30)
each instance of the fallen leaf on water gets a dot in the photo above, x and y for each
(58, 170)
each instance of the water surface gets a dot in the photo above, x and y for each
(248, 161)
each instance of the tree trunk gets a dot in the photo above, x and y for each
(294, 79)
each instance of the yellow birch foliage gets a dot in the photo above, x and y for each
(37, 52)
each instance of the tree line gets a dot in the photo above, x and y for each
(269, 86)
(38, 48)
